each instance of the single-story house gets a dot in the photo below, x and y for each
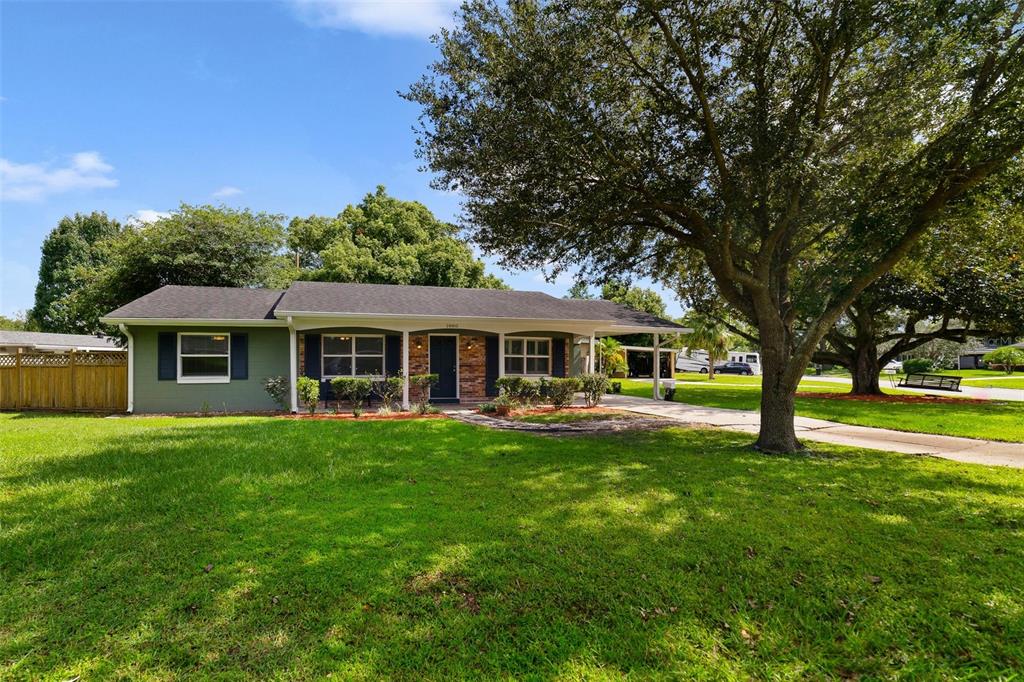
(45, 342)
(190, 347)
(973, 357)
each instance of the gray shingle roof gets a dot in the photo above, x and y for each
(48, 340)
(419, 301)
(220, 303)
(175, 302)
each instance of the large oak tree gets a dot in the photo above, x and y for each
(772, 137)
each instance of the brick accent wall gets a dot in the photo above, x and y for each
(419, 357)
(472, 367)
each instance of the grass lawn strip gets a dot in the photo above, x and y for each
(988, 420)
(243, 547)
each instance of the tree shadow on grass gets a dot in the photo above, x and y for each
(281, 548)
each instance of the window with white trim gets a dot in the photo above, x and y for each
(351, 355)
(204, 358)
(527, 356)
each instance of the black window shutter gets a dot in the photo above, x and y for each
(490, 365)
(312, 356)
(392, 354)
(239, 356)
(558, 357)
(166, 356)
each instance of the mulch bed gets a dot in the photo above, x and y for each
(605, 411)
(890, 398)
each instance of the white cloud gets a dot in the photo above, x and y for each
(404, 17)
(148, 215)
(226, 191)
(36, 181)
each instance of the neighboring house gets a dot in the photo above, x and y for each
(973, 357)
(44, 342)
(212, 347)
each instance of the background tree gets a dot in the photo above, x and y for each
(70, 251)
(772, 138)
(194, 245)
(1008, 358)
(16, 323)
(710, 335)
(384, 240)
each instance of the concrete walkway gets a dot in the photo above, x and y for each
(947, 447)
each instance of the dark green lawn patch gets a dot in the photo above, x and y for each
(570, 416)
(991, 420)
(247, 547)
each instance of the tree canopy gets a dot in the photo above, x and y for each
(384, 240)
(771, 138)
(73, 248)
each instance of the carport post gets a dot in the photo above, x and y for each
(592, 355)
(657, 367)
(293, 366)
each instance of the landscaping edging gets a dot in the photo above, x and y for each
(584, 427)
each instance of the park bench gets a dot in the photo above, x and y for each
(941, 382)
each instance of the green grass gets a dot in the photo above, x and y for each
(989, 420)
(244, 548)
(1002, 381)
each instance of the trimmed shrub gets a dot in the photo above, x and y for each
(503, 405)
(422, 383)
(916, 365)
(309, 392)
(593, 386)
(354, 390)
(488, 408)
(519, 389)
(277, 388)
(389, 390)
(563, 391)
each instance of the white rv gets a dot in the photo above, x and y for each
(749, 357)
(692, 361)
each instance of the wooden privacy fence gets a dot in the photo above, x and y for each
(64, 381)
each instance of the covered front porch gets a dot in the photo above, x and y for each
(467, 359)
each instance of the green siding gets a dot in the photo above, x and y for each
(268, 356)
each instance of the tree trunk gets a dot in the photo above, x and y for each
(711, 368)
(865, 369)
(778, 433)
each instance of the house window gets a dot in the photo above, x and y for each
(204, 358)
(527, 356)
(352, 356)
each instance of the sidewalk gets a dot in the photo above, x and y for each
(947, 447)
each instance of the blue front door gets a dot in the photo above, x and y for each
(444, 363)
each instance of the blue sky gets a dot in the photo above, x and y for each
(133, 107)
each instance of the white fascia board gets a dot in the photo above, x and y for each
(191, 322)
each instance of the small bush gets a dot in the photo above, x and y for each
(1006, 358)
(354, 390)
(422, 383)
(563, 391)
(593, 386)
(519, 389)
(309, 392)
(389, 390)
(277, 388)
(503, 405)
(916, 365)
(488, 408)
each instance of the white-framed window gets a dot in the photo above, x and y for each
(351, 355)
(527, 356)
(204, 358)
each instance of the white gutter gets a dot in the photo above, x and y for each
(131, 367)
(192, 321)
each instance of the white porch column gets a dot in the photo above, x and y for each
(592, 355)
(293, 356)
(405, 370)
(131, 368)
(501, 354)
(657, 367)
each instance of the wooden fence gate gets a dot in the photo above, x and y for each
(64, 381)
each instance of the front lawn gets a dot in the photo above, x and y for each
(993, 420)
(1001, 381)
(254, 548)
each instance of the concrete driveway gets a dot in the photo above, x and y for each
(947, 447)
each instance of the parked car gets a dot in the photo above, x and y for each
(735, 368)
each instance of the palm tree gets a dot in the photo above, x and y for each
(611, 356)
(710, 335)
